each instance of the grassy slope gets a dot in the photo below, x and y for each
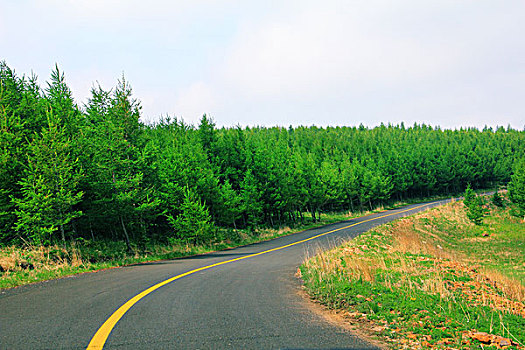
(432, 280)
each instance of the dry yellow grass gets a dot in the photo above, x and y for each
(407, 238)
(415, 235)
(429, 253)
(14, 259)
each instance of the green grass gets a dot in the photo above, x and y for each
(498, 245)
(429, 279)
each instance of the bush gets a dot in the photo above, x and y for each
(497, 200)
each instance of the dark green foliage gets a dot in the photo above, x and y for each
(208, 136)
(497, 200)
(476, 210)
(475, 205)
(517, 187)
(251, 197)
(117, 164)
(469, 196)
(193, 224)
(230, 205)
(49, 186)
(141, 183)
(22, 114)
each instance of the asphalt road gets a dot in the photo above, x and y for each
(252, 303)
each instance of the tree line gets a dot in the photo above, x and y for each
(95, 171)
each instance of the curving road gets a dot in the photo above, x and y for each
(248, 303)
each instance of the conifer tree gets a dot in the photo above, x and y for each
(469, 195)
(475, 206)
(230, 208)
(251, 196)
(60, 99)
(193, 225)
(118, 162)
(49, 185)
(476, 210)
(22, 113)
(135, 178)
(208, 136)
(497, 200)
(517, 187)
(11, 152)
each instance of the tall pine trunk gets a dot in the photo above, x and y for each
(126, 234)
(91, 230)
(62, 233)
(312, 211)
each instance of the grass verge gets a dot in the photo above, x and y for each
(431, 280)
(30, 264)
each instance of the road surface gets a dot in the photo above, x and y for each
(252, 302)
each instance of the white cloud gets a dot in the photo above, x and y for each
(123, 10)
(331, 62)
(433, 60)
(322, 49)
(194, 101)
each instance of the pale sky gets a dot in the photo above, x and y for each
(450, 63)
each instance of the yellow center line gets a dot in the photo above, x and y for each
(99, 339)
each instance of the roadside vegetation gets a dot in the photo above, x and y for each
(86, 180)
(21, 265)
(24, 264)
(438, 279)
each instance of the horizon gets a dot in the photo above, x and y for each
(160, 118)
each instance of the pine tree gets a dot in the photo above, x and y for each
(135, 178)
(22, 113)
(60, 99)
(251, 197)
(497, 200)
(193, 225)
(230, 208)
(49, 185)
(517, 187)
(120, 195)
(476, 210)
(11, 152)
(469, 196)
(208, 136)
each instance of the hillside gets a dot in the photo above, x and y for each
(432, 280)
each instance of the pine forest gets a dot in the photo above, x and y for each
(96, 172)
